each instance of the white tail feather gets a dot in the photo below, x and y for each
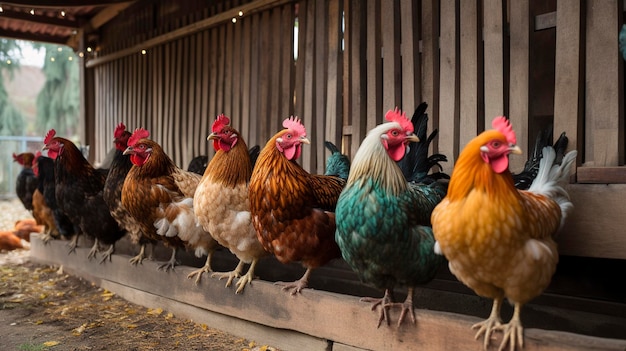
(552, 178)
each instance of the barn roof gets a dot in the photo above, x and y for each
(55, 21)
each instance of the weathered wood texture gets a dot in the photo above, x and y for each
(315, 320)
(341, 64)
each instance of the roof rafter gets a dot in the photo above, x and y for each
(59, 22)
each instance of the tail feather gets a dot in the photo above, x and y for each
(337, 164)
(524, 179)
(416, 164)
(552, 178)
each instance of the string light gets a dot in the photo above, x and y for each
(8, 62)
(59, 49)
(63, 13)
(81, 54)
(143, 52)
(52, 59)
(32, 12)
(89, 49)
(234, 20)
(70, 58)
(240, 13)
(1, 9)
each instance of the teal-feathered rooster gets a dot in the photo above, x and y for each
(383, 220)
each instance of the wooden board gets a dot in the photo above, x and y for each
(312, 315)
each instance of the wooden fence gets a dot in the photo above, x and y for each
(340, 64)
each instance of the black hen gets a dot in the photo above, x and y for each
(26, 182)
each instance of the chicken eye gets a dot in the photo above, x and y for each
(288, 136)
(395, 133)
(496, 144)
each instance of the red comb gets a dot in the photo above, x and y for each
(219, 123)
(15, 156)
(503, 125)
(51, 133)
(139, 133)
(37, 154)
(400, 117)
(295, 124)
(119, 130)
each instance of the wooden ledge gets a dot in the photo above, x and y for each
(315, 320)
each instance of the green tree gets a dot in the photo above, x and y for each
(58, 102)
(11, 120)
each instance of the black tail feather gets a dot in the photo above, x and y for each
(416, 164)
(254, 154)
(524, 179)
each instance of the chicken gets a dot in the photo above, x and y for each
(78, 192)
(292, 210)
(499, 240)
(221, 201)
(383, 220)
(24, 227)
(45, 216)
(118, 169)
(198, 164)
(9, 241)
(159, 195)
(26, 182)
(61, 224)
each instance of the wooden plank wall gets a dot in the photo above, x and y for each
(352, 61)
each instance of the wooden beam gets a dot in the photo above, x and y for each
(317, 318)
(34, 37)
(61, 3)
(601, 175)
(247, 9)
(39, 19)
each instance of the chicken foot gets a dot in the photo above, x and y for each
(140, 256)
(236, 273)
(406, 307)
(107, 254)
(45, 237)
(94, 250)
(246, 278)
(488, 326)
(384, 303)
(513, 331)
(206, 268)
(169, 264)
(73, 244)
(298, 285)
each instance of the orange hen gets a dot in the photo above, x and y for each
(499, 240)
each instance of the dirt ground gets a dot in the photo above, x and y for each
(44, 308)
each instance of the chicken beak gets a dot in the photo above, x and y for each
(305, 140)
(514, 149)
(129, 150)
(412, 137)
(45, 147)
(212, 136)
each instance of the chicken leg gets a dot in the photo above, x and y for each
(384, 303)
(406, 307)
(140, 256)
(246, 278)
(169, 264)
(513, 331)
(108, 253)
(236, 273)
(298, 285)
(489, 325)
(73, 244)
(206, 268)
(94, 250)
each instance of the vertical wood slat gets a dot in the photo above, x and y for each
(469, 71)
(333, 111)
(356, 111)
(449, 86)
(430, 63)
(602, 126)
(307, 57)
(246, 115)
(410, 87)
(212, 95)
(569, 78)
(256, 115)
(390, 55)
(264, 82)
(205, 117)
(316, 133)
(272, 30)
(174, 148)
(374, 64)
(519, 29)
(287, 63)
(493, 36)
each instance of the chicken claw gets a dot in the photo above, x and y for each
(140, 256)
(491, 324)
(206, 268)
(513, 331)
(169, 264)
(406, 306)
(297, 286)
(73, 244)
(384, 303)
(45, 238)
(94, 250)
(246, 278)
(236, 273)
(107, 254)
